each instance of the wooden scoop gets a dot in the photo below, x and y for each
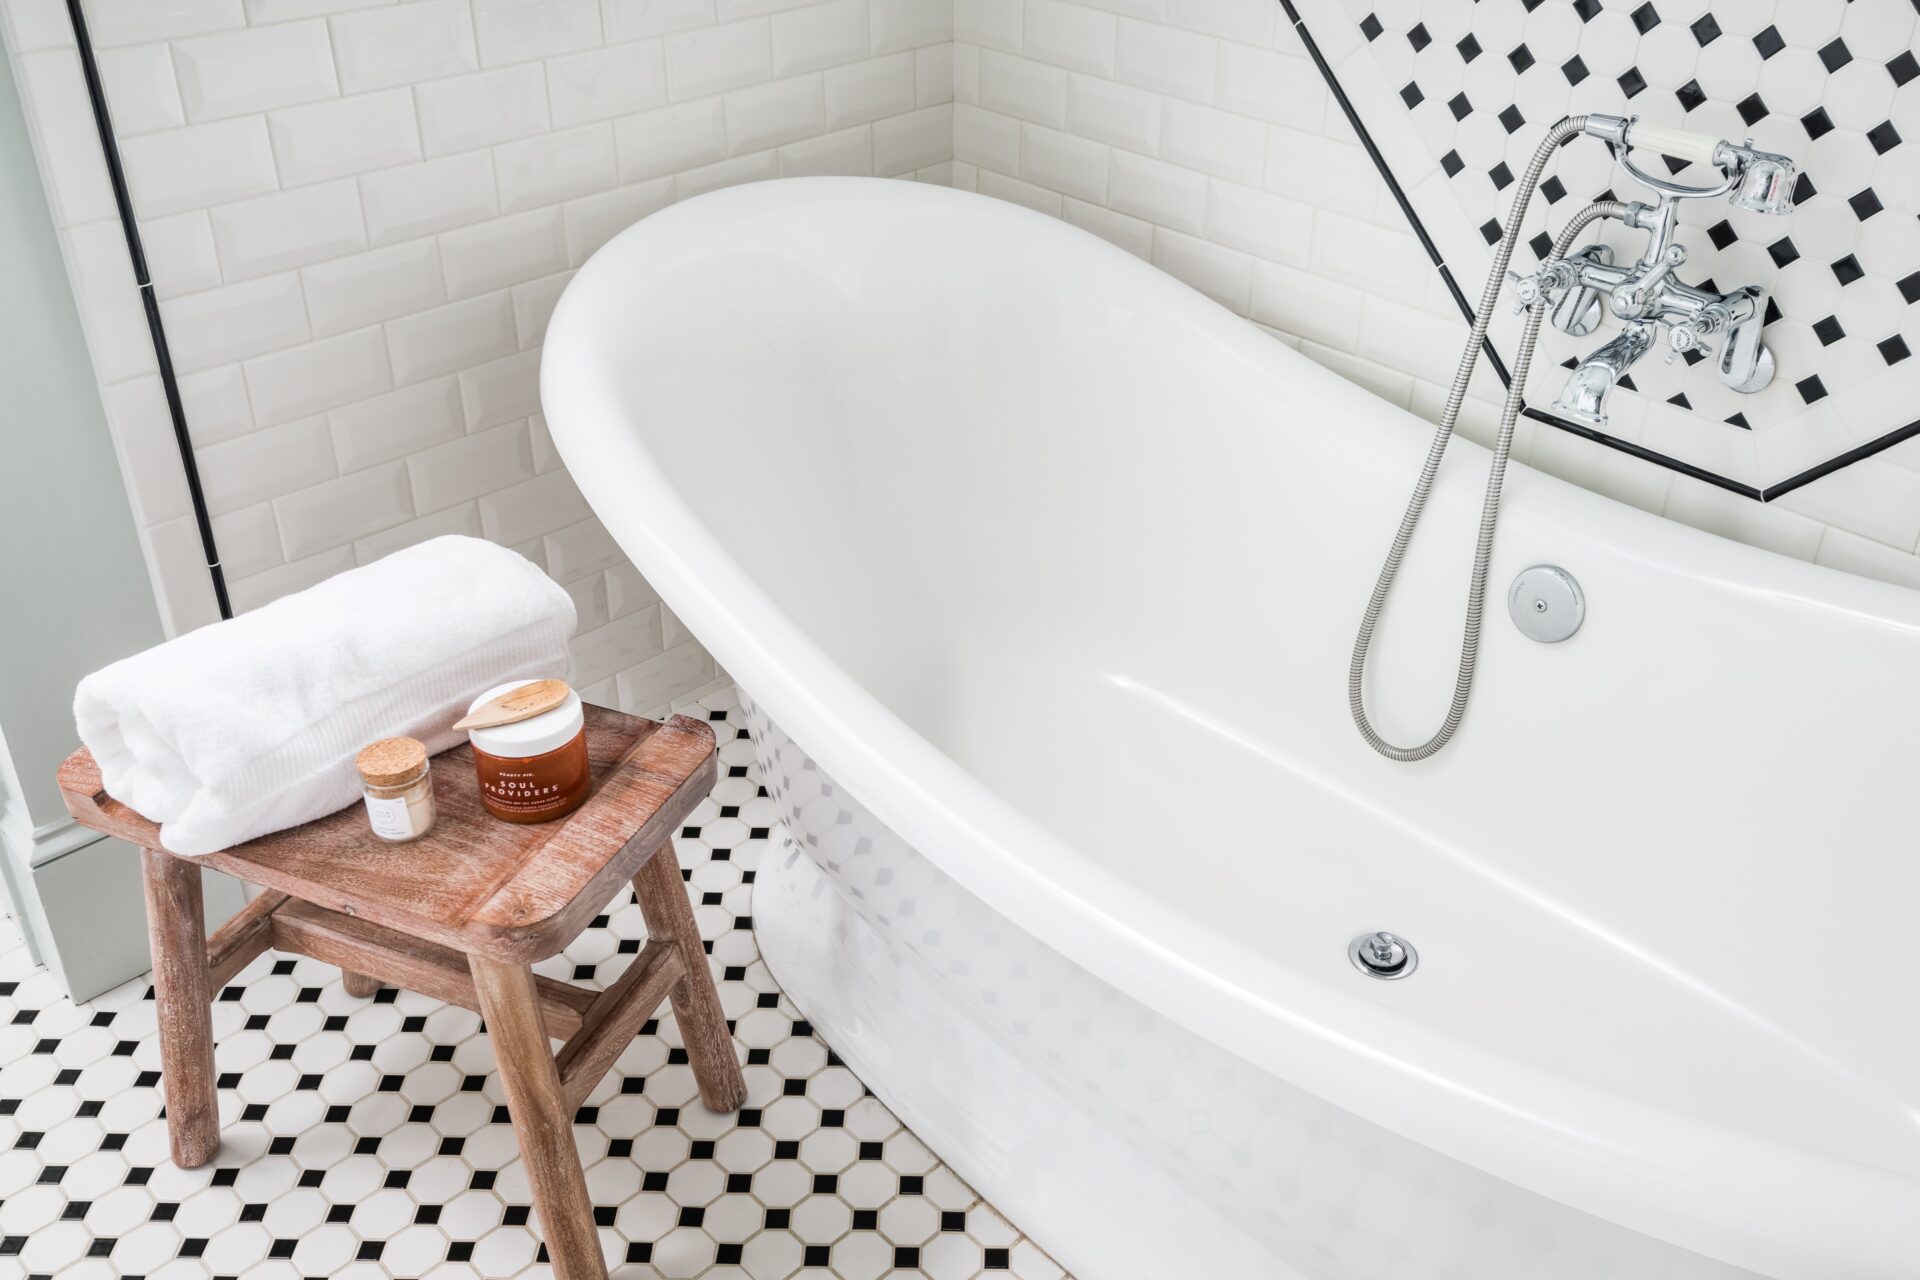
(524, 703)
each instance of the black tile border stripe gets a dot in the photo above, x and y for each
(1758, 494)
(156, 331)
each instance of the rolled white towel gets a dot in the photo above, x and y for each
(250, 726)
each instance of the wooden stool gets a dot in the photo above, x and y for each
(459, 915)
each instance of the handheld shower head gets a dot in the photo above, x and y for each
(1759, 181)
(1764, 183)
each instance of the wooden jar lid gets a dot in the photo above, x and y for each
(391, 761)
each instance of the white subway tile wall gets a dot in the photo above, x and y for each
(359, 215)
(357, 255)
(1472, 86)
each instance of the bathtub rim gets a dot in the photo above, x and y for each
(1749, 1200)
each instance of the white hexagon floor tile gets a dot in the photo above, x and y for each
(369, 1138)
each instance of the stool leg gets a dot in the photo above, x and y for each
(696, 1005)
(540, 1117)
(359, 984)
(183, 996)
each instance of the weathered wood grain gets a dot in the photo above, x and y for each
(183, 1000)
(614, 1018)
(542, 1119)
(696, 1004)
(413, 964)
(474, 883)
(458, 915)
(235, 943)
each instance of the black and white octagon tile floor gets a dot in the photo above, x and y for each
(369, 1138)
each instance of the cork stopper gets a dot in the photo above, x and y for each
(391, 761)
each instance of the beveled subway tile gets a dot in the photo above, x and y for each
(906, 142)
(500, 391)
(404, 421)
(715, 59)
(351, 292)
(333, 514)
(780, 111)
(816, 36)
(482, 109)
(599, 84)
(318, 375)
(506, 251)
(222, 325)
(403, 44)
(116, 22)
(657, 143)
(343, 137)
(198, 166)
(869, 90)
(553, 167)
(415, 200)
(450, 338)
(266, 463)
(237, 72)
(463, 469)
(288, 229)
(520, 30)
(142, 92)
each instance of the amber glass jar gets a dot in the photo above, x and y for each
(532, 770)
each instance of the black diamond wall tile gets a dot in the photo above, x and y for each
(1848, 141)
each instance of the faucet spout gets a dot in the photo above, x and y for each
(1585, 396)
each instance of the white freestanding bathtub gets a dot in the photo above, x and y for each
(1041, 571)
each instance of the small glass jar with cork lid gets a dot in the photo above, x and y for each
(397, 782)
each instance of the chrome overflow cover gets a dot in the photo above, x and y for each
(1383, 955)
(1546, 604)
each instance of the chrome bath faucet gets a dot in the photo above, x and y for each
(1646, 295)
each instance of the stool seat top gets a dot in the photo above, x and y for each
(513, 892)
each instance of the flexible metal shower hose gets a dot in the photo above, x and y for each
(1567, 128)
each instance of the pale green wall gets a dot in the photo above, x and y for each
(75, 586)
(74, 592)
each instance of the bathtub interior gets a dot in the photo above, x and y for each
(901, 418)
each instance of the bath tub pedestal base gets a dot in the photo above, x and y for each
(459, 915)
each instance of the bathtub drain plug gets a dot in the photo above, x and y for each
(1383, 955)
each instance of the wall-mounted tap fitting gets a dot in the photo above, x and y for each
(1645, 295)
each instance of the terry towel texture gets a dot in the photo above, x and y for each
(250, 726)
